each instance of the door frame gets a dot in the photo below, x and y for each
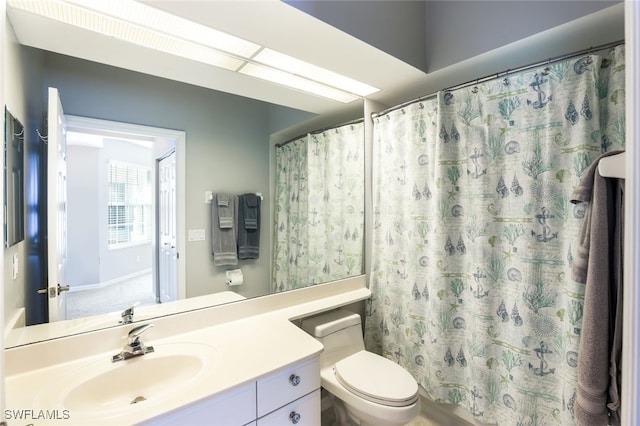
(155, 134)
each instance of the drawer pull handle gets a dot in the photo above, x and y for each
(294, 417)
(294, 379)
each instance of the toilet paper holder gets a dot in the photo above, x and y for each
(234, 277)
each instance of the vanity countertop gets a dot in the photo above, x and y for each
(40, 332)
(245, 350)
(248, 340)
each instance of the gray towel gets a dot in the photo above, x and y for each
(598, 264)
(225, 210)
(249, 237)
(250, 206)
(223, 239)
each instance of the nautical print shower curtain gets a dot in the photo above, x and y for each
(319, 208)
(474, 236)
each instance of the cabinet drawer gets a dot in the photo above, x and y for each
(302, 412)
(286, 385)
(234, 407)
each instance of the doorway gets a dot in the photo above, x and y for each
(116, 256)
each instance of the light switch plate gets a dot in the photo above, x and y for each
(196, 235)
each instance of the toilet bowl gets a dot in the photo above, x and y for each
(365, 387)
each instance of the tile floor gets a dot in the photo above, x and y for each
(432, 415)
(421, 420)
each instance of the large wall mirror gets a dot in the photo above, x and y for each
(312, 221)
(13, 179)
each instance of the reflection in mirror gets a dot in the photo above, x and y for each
(13, 179)
(319, 215)
(222, 132)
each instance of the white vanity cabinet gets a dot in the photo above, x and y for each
(234, 407)
(301, 412)
(289, 396)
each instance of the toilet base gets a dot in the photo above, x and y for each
(342, 417)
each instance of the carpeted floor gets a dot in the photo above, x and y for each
(111, 298)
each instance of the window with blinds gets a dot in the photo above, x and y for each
(130, 195)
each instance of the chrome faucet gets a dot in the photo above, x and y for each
(134, 347)
(127, 315)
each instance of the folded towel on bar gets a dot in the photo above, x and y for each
(248, 237)
(250, 209)
(224, 239)
(225, 210)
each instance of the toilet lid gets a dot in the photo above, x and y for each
(377, 379)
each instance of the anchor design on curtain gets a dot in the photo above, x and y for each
(474, 235)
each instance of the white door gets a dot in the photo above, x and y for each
(56, 208)
(167, 239)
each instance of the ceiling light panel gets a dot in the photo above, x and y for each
(296, 82)
(158, 20)
(313, 72)
(145, 26)
(106, 25)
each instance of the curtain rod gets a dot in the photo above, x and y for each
(315, 132)
(501, 74)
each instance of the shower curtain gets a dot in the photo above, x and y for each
(319, 219)
(474, 236)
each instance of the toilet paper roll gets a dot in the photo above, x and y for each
(234, 277)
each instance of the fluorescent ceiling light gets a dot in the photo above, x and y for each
(146, 26)
(112, 27)
(167, 23)
(287, 79)
(313, 72)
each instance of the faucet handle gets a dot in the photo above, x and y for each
(134, 333)
(135, 347)
(127, 314)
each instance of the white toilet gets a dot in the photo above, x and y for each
(365, 387)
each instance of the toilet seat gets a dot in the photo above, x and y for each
(376, 379)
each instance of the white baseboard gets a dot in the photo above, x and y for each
(110, 282)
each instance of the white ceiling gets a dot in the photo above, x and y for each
(269, 23)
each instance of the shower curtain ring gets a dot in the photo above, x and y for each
(506, 81)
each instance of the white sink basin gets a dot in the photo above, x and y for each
(100, 388)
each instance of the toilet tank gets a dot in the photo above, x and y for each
(339, 330)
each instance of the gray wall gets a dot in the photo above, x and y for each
(461, 29)
(436, 33)
(396, 27)
(21, 76)
(227, 147)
